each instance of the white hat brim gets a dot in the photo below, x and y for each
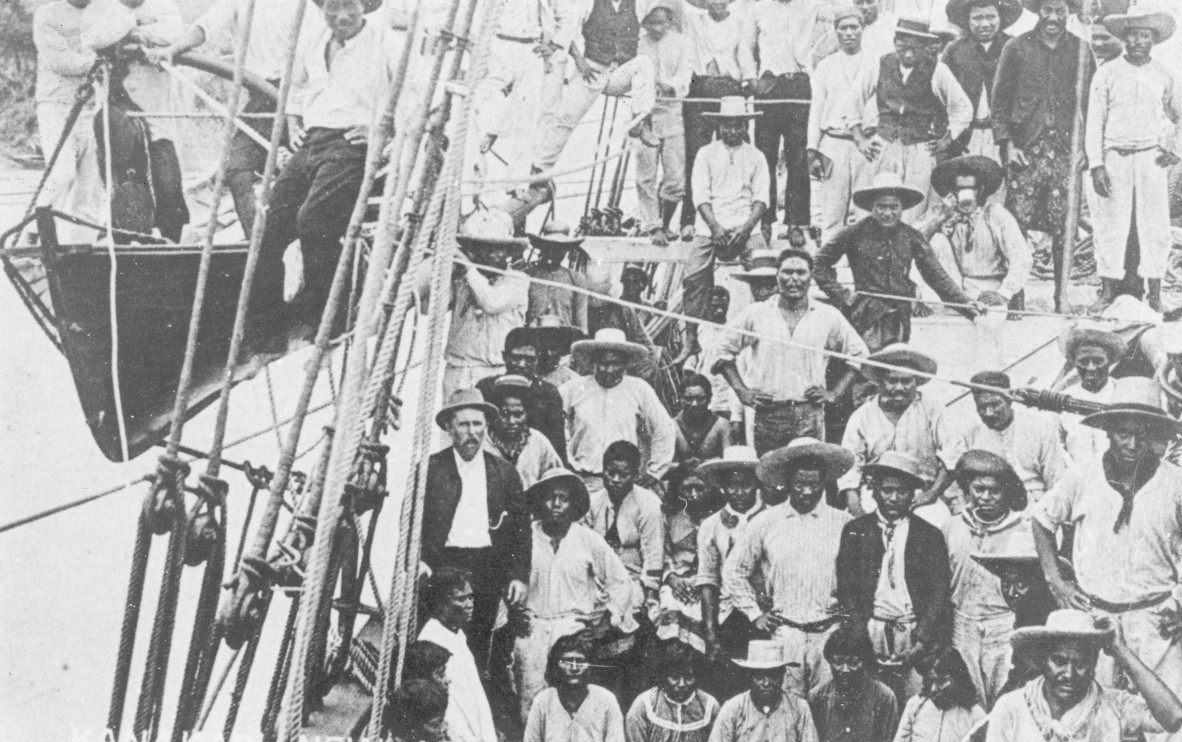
(582, 351)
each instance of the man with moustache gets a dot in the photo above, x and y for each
(1066, 702)
(476, 518)
(794, 547)
(1126, 507)
(786, 383)
(881, 250)
(1033, 108)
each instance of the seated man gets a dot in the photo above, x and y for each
(853, 706)
(730, 182)
(1066, 696)
(340, 78)
(766, 713)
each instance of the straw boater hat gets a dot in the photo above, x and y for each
(958, 11)
(977, 463)
(774, 466)
(1088, 333)
(1065, 624)
(887, 184)
(509, 385)
(988, 174)
(607, 339)
(733, 107)
(901, 354)
(897, 463)
(763, 654)
(464, 399)
(765, 263)
(1137, 398)
(555, 235)
(734, 458)
(1142, 15)
(916, 28)
(489, 228)
(367, 6)
(549, 329)
(552, 478)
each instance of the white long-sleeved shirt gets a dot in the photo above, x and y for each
(485, 311)
(353, 91)
(947, 89)
(269, 31)
(581, 579)
(785, 37)
(715, 42)
(990, 244)
(843, 85)
(1134, 107)
(923, 430)
(878, 39)
(630, 411)
(731, 180)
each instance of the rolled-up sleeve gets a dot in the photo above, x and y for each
(735, 338)
(1057, 507)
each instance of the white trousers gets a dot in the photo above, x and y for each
(636, 76)
(511, 64)
(913, 163)
(660, 176)
(1139, 186)
(74, 185)
(851, 171)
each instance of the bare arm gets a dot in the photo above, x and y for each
(1163, 703)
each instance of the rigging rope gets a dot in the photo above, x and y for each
(113, 273)
(73, 504)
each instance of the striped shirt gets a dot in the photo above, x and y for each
(797, 555)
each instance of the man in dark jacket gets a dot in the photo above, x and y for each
(476, 517)
(1034, 107)
(893, 574)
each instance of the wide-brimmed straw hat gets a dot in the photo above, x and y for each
(979, 463)
(509, 385)
(733, 107)
(901, 354)
(1090, 333)
(899, 464)
(988, 174)
(763, 654)
(552, 478)
(549, 330)
(465, 399)
(555, 235)
(916, 28)
(734, 458)
(775, 466)
(1142, 15)
(367, 6)
(607, 339)
(887, 184)
(958, 11)
(1136, 398)
(1065, 624)
(489, 228)
(764, 263)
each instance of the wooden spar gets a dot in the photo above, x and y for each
(1074, 183)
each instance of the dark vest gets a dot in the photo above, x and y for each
(909, 111)
(610, 37)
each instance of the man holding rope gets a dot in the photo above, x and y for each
(881, 250)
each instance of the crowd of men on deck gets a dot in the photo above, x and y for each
(859, 563)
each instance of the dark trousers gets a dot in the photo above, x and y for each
(171, 212)
(489, 581)
(786, 123)
(312, 200)
(246, 160)
(699, 129)
(779, 423)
